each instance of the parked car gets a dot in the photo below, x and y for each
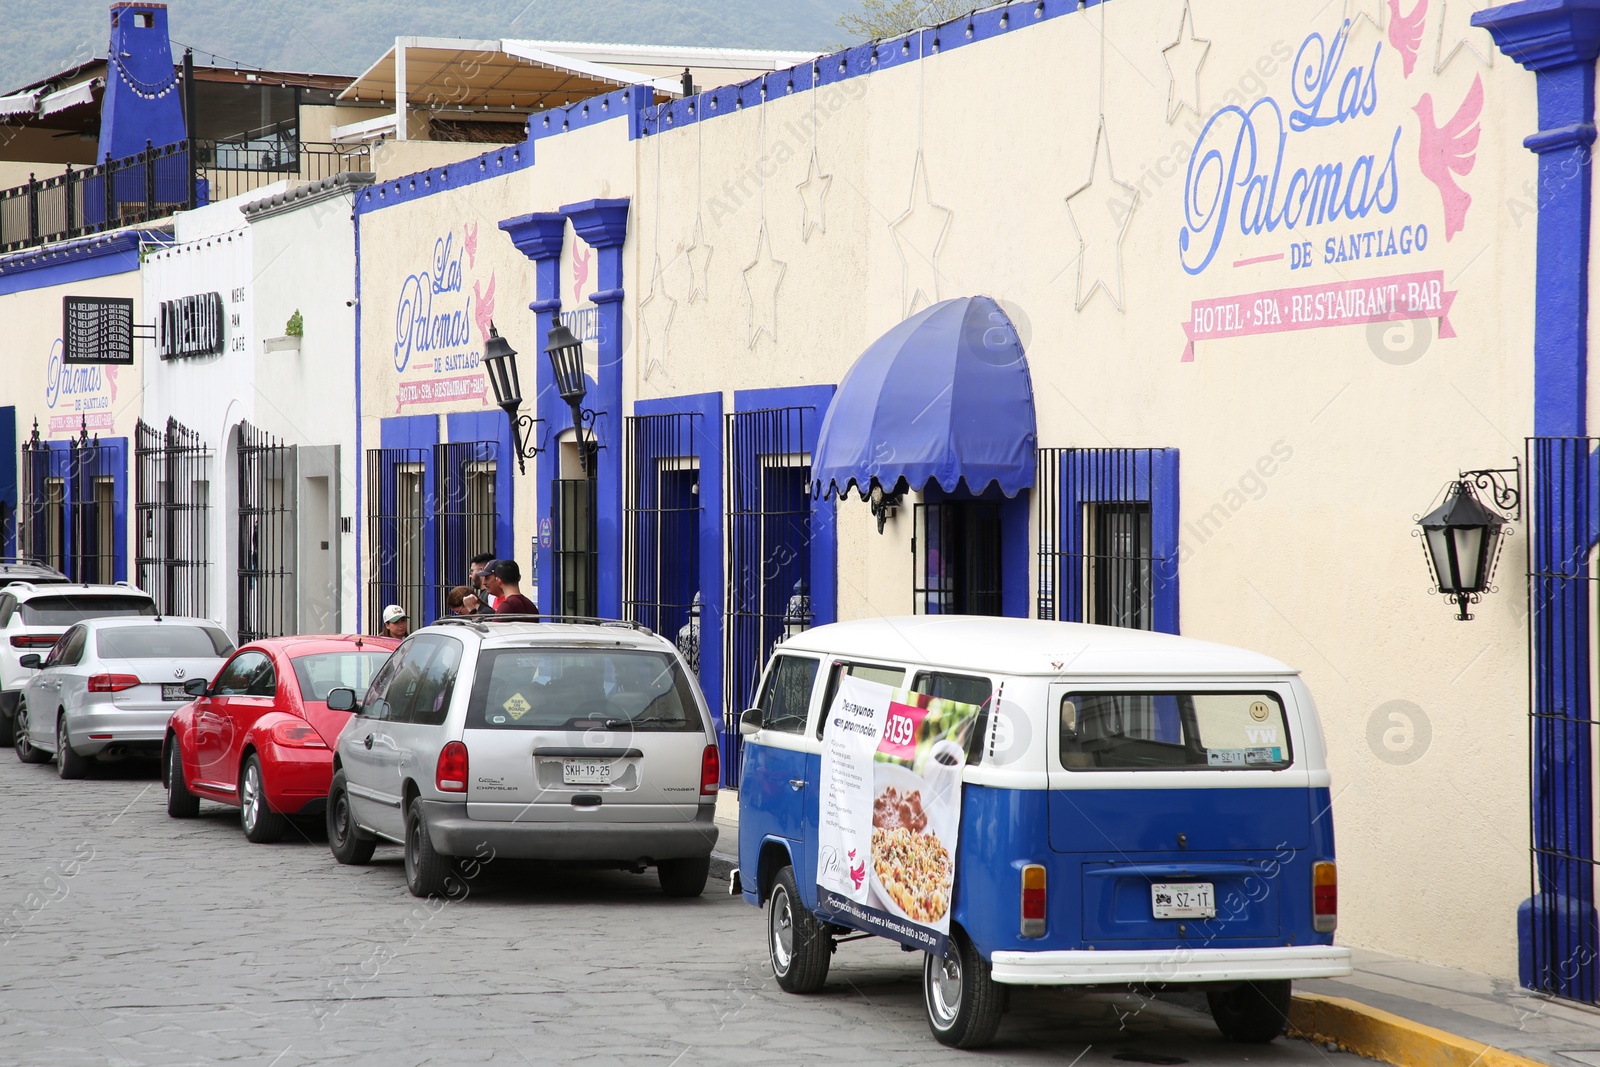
(105, 690)
(37, 604)
(585, 742)
(1130, 808)
(259, 735)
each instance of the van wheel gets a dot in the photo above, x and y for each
(181, 804)
(428, 874)
(798, 946)
(1254, 1012)
(685, 877)
(345, 840)
(963, 1001)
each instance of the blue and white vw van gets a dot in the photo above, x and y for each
(1137, 809)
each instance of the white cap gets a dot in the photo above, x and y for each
(393, 613)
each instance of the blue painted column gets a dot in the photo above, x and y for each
(540, 236)
(603, 224)
(1559, 944)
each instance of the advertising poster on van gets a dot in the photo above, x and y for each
(891, 811)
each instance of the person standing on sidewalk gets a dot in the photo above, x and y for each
(475, 577)
(501, 578)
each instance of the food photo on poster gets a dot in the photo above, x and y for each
(891, 810)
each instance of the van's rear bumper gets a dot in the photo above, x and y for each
(454, 834)
(1177, 965)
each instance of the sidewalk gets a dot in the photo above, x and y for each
(1396, 1010)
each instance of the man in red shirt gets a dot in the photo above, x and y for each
(501, 579)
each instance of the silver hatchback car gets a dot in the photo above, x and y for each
(108, 687)
(585, 742)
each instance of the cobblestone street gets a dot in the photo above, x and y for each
(128, 938)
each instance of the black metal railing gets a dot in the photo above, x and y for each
(661, 568)
(266, 535)
(398, 503)
(157, 182)
(172, 492)
(67, 516)
(467, 510)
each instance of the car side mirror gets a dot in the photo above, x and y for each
(195, 687)
(342, 699)
(749, 722)
(31, 661)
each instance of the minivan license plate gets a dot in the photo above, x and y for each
(585, 772)
(1183, 900)
(173, 692)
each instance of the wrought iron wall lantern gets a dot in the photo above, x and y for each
(1463, 535)
(566, 359)
(500, 361)
(884, 504)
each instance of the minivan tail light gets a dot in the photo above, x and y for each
(451, 774)
(1324, 897)
(1033, 900)
(112, 683)
(710, 771)
(34, 640)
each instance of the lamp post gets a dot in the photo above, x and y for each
(1462, 536)
(566, 360)
(500, 363)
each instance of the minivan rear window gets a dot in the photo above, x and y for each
(162, 641)
(66, 610)
(1131, 731)
(580, 689)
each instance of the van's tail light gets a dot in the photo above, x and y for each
(710, 771)
(1033, 900)
(112, 683)
(451, 774)
(34, 640)
(1324, 897)
(297, 735)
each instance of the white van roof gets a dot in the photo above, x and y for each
(1028, 647)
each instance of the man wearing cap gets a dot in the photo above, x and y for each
(501, 579)
(396, 623)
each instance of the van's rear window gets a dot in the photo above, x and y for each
(1131, 731)
(581, 689)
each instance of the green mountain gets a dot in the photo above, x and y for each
(344, 36)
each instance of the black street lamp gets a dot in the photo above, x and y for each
(1462, 536)
(566, 360)
(500, 362)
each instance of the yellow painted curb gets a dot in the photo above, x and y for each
(1377, 1034)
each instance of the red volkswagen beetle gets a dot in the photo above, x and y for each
(260, 735)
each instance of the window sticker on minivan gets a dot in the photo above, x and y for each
(1130, 731)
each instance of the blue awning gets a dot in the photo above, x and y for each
(944, 396)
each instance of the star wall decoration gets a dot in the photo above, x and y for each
(1185, 56)
(1100, 211)
(656, 312)
(1457, 34)
(761, 281)
(919, 233)
(698, 258)
(1371, 10)
(814, 199)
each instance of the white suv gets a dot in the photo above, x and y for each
(584, 742)
(34, 615)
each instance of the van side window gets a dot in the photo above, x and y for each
(965, 689)
(894, 677)
(787, 695)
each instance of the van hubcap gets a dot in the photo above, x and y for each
(782, 931)
(944, 989)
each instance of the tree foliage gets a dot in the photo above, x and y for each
(877, 19)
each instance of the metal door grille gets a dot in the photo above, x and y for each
(574, 554)
(91, 510)
(467, 513)
(267, 535)
(42, 507)
(1097, 558)
(395, 520)
(661, 575)
(956, 545)
(768, 553)
(1564, 944)
(172, 473)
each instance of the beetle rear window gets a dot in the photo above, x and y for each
(1130, 731)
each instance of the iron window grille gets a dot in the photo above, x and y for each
(768, 546)
(172, 491)
(661, 576)
(266, 535)
(467, 511)
(397, 507)
(575, 556)
(956, 545)
(67, 516)
(1102, 557)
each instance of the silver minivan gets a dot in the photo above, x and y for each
(587, 742)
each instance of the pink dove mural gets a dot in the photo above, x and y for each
(469, 234)
(483, 307)
(1405, 32)
(1451, 149)
(580, 271)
